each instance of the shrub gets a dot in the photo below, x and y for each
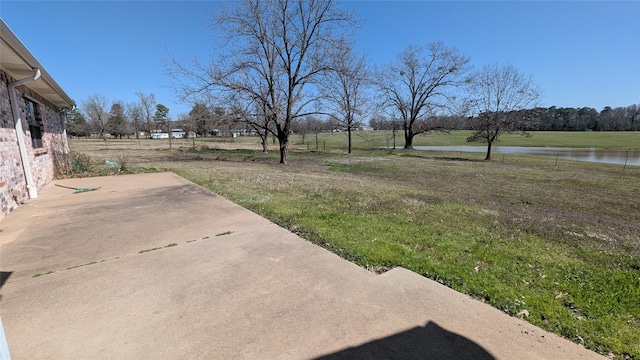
(81, 162)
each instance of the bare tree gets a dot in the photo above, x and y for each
(381, 122)
(419, 84)
(272, 50)
(310, 124)
(148, 104)
(299, 127)
(497, 93)
(95, 108)
(316, 126)
(344, 88)
(188, 124)
(135, 113)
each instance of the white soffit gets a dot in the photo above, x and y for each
(18, 62)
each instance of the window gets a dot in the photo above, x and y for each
(35, 125)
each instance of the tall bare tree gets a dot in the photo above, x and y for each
(344, 88)
(148, 104)
(271, 51)
(497, 93)
(95, 108)
(310, 124)
(301, 128)
(135, 113)
(419, 84)
(188, 124)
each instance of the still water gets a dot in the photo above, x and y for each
(631, 157)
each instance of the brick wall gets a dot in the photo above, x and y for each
(13, 186)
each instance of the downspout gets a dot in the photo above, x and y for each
(22, 145)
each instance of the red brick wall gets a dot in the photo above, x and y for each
(13, 186)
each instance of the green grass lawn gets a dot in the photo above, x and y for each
(562, 242)
(374, 139)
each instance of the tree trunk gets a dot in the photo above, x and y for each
(488, 157)
(349, 134)
(283, 139)
(408, 136)
(408, 140)
(283, 153)
(264, 142)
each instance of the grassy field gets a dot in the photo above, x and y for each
(373, 139)
(561, 242)
(365, 140)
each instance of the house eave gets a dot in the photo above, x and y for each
(17, 61)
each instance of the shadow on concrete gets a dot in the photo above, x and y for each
(428, 342)
(4, 275)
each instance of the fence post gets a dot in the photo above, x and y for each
(625, 162)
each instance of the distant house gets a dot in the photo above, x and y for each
(158, 134)
(31, 123)
(177, 133)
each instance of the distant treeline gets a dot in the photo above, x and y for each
(549, 119)
(582, 119)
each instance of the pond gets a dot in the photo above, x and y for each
(619, 157)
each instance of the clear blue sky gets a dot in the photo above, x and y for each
(581, 53)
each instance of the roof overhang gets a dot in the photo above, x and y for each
(18, 62)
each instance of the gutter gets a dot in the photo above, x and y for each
(22, 145)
